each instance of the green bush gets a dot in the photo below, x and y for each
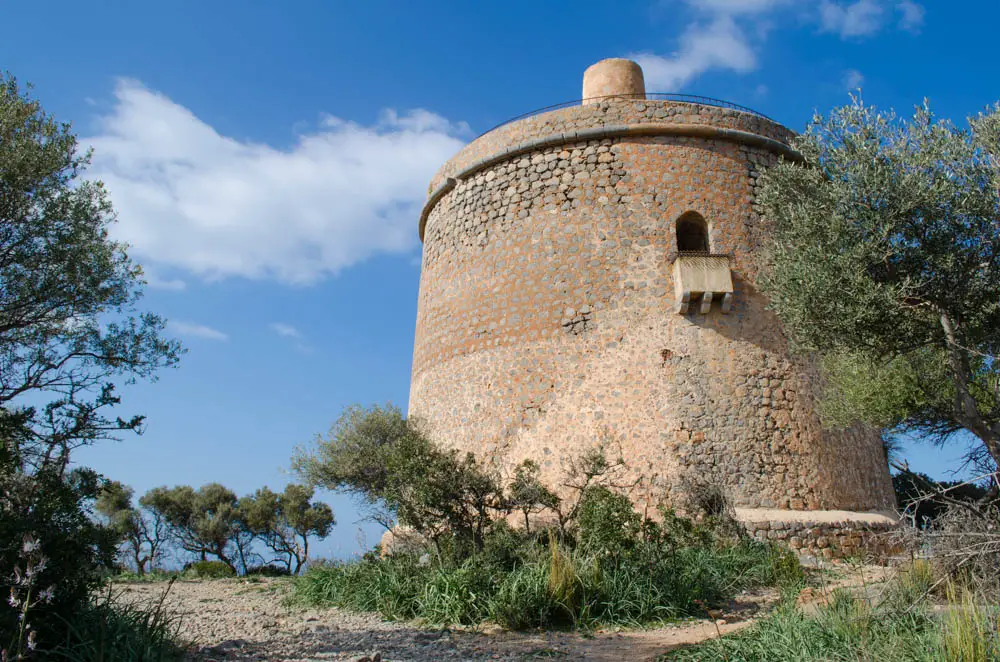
(154, 575)
(523, 600)
(520, 580)
(268, 571)
(52, 554)
(608, 524)
(208, 570)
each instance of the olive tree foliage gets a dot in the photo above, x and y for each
(142, 531)
(68, 326)
(284, 522)
(69, 331)
(203, 522)
(886, 260)
(393, 466)
(528, 494)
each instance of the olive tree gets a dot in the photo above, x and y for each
(70, 331)
(886, 260)
(142, 531)
(286, 521)
(202, 522)
(391, 463)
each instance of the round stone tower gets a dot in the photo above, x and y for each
(589, 277)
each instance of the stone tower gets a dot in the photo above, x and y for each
(589, 273)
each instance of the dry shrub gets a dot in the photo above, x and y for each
(707, 502)
(965, 544)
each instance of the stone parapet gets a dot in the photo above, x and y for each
(608, 112)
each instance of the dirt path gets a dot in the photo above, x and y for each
(246, 620)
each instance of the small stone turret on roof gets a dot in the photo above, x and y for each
(611, 77)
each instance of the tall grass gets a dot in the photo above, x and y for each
(894, 628)
(110, 630)
(552, 585)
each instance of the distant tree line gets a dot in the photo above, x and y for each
(211, 522)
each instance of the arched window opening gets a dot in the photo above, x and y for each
(692, 233)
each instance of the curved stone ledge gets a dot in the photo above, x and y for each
(816, 517)
(827, 534)
(703, 131)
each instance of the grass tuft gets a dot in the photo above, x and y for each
(901, 627)
(110, 630)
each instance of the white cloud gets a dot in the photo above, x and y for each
(727, 34)
(912, 16)
(855, 19)
(285, 330)
(154, 281)
(853, 79)
(719, 45)
(290, 332)
(196, 330)
(192, 199)
(738, 6)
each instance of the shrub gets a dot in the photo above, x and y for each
(441, 494)
(154, 575)
(209, 570)
(268, 571)
(965, 540)
(52, 555)
(608, 525)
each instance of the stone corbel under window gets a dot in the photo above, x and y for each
(702, 276)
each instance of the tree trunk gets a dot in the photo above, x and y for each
(966, 409)
(139, 563)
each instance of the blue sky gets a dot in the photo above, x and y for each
(269, 159)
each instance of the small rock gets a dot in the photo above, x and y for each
(721, 621)
(490, 629)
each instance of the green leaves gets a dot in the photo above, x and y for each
(886, 258)
(68, 325)
(389, 462)
(202, 521)
(286, 521)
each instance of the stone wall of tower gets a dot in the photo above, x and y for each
(546, 318)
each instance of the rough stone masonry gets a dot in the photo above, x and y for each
(554, 313)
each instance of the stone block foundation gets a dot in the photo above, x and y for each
(831, 534)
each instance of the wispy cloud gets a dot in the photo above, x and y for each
(290, 332)
(155, 282)
(853, 79)
(196, 330)
(854, 19)
(286, 330)
(912, 16)
(727, 35)
(718, 45)
(194, 200)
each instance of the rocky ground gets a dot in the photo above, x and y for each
(247, 620)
